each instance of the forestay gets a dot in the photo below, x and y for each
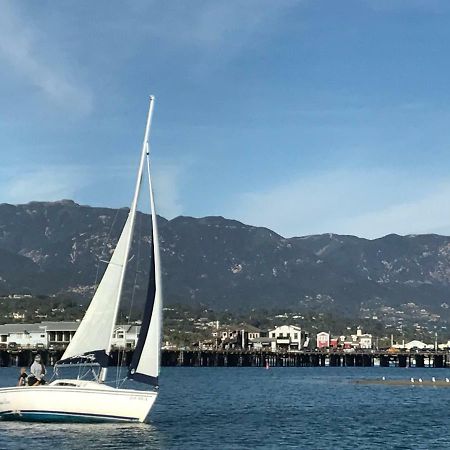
(91, 341)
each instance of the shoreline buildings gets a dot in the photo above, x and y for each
(49, 335)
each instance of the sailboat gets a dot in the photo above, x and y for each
(93, 400)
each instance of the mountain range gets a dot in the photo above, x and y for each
(60, 248)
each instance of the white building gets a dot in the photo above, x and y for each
(263, 343)
(361, 340)
(445, 346)
(287, 337)
(24, 335)
(125, 336)
(58, 335)
(413, 345)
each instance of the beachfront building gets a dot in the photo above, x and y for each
(125, 336)
(444, 346)
(57, 335)
(323, 340)
(288, 337)
(237, 336)
(414, 345)
(361, 340)
(365, 341)
(263, 343)
(23, 335)
(334, 341)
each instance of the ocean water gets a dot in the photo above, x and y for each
(255, 408)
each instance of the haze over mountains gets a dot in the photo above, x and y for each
(54, 248)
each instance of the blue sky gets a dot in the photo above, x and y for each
(303, 116)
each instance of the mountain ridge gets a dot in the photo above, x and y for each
(55, 247)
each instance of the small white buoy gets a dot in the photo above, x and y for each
(433, 379)
(412, 380)
(447, 380)
(420, 380)
(384, 378)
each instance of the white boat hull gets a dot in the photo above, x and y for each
(80, 402)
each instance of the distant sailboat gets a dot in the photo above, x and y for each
(93, 401)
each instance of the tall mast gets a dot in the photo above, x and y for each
(132, 217)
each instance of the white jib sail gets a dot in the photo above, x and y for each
(94, 331)
(147, 363)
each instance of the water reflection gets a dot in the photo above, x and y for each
(79, 436)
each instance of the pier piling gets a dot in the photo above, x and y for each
(248, 358)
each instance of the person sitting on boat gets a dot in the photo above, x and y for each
(22, 381)
(37, 370)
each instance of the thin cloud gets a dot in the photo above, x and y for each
(366, 203)
(19, 51)
(52, 183)
(41, 184)
(167, 190)
(429, 214)
(395, 6)
(216, 31)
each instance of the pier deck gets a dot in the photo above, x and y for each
(245, 358)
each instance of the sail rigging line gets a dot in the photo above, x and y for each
(118, 368)
(121, 352)
(96, 376)
(132, 217)
(105, 243)
(138, 258)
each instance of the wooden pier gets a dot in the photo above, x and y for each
(243, 358)
(304, 359)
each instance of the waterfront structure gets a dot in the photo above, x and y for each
(361, 340)
(59, 334)
(263, 343)
(125, 336)
(238, 336)
(288, 337)
(50, 335)
(414, 345)
(23, 335)
(334, 341)
(323, 340)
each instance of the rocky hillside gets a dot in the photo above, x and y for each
(49, 248)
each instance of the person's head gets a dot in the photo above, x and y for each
(37, 358)
(23, 370)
